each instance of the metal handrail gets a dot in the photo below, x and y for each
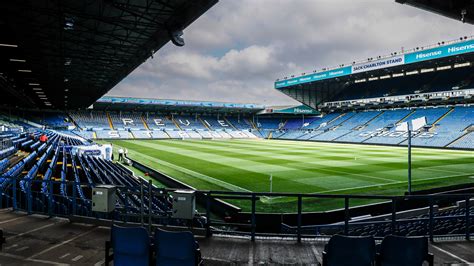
(146, 215)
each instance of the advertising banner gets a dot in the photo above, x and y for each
(378, 64)
(414, 57)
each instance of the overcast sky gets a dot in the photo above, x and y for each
(237, 49)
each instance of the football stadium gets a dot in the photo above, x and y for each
(374, 165)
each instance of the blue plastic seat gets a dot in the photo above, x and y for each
(176, 248)
(406, 251)
(349, 251)
(131, 246)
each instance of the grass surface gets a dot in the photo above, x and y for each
(300, 167)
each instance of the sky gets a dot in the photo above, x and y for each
(236, 51)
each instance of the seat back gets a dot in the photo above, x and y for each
(131, 245)
(348, 251)
(397, 250)
(174, 248)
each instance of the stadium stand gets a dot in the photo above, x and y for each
(445, 127)
(91, 119)
(344, 250)
(239, 123)
(189, 122)
(160, 122)
(125, 121)
(448, 128)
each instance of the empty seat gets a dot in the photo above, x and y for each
(348, 251)
(176, 248)
(404, 251)
(130, 246)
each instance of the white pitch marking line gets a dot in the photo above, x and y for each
(452, 255)
(65, 255)
(77, 258)
(387, 184)
(329, 170)
(22, 248)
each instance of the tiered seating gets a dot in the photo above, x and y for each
(111, 134)
(50, 119)
(449, 128)
(385, 122)
(159, 122)
(298, 123)
(193, 135)
(216, 123)
(445, 223)
(141, 134)
(84, 134)
(347, 126)
(431, 114)
(123, 121)
(7, 152)
(91, 119)
(189, 122)
(239, 123)
(159, 134)
(177, 134)
(466, 142)
(270, 123)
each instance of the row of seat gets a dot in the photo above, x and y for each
(133, 246)
(362, 251)
(7, 152)
(444, 224)
(379, 127)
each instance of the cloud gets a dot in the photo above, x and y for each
(235, 51)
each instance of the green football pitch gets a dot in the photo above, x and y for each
(300, 167)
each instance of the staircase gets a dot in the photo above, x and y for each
(176, 124)
(441, 118)
(144, 123)
(406, 117)
(458, 139)
(205, 124)
(109, 119)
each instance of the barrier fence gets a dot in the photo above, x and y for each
(434, 215)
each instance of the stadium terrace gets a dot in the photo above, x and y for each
(379, 151)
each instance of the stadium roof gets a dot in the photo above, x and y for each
(322, 86)
(462, 10)
(162, 105)
(67, 54)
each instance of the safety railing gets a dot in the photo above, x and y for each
(428, 215)
(456, 221)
